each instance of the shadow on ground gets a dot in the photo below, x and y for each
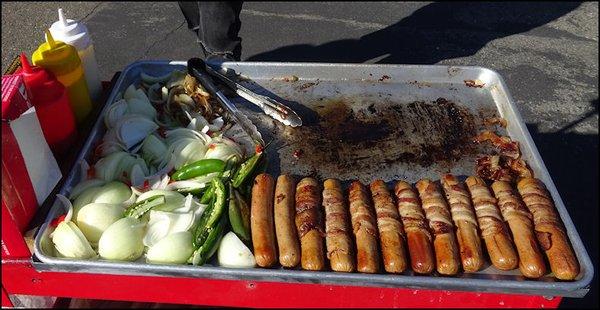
(433, 33)
(572, 161)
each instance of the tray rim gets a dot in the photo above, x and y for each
(577, 288)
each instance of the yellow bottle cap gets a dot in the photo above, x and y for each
(56, 56)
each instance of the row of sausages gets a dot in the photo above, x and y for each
(439, 228)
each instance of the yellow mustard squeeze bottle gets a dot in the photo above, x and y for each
(62, 60)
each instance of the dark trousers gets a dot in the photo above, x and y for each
(217, 25)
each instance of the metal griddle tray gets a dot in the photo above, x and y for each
(357, 83)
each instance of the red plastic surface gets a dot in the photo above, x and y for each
(6, 302)
(22, 278)
(13, 244)
(17, 191)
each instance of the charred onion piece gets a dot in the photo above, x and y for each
(492, 167)
(498, 168)
(489, 122)
(504, 144)
(519, 168)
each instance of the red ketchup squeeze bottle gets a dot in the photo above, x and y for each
(52, 107)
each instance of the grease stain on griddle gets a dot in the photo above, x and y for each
(364, 136)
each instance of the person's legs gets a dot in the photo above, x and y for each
(217, 25)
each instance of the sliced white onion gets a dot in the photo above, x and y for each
(164, 92)
(123, 240)
(109, 147)
(164, 181)
(185, 153)
(224, 149)
(233, 253)
(205, 178)
(180, 133)
(237, 134)
(82, 186)
(185, 99)
(162, 224)
(86, 197)
(123, 170)
(153, 149)
(94, 218)
(131, 199)
(113, 193)
(116, 111)
(217, 124)
(70, 242)
(140, 107)
(164, 167)
(136, 175)
(191, 204)
(129, 92)
(185, 184)
(173, 200)
(106, 168)
(175, 248)
(158, 228)
(132, 129)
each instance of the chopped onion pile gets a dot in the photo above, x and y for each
(144, 142)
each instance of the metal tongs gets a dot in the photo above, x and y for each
(270, 106)
(197, 68)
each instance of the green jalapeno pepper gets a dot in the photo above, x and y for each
(239, 215)
(245, 170)
(208, 248)
(211, 215)
(198, 168)
(138, 209)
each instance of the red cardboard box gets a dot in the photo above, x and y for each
(29, 170)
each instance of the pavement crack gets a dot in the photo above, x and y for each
(159, 40)
(92, 11)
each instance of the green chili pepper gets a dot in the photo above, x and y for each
(211, 215)
(195, 191)
(138, 209)
(198, 168)
(246, 169)
(213, 236)
(208, 194)
(239, 215)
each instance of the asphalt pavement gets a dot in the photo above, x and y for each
(546, 52)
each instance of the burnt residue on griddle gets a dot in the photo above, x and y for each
(373, 135)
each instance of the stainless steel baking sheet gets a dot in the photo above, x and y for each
(388, 122)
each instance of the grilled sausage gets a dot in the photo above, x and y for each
(465, 221)
(531, 262)
(391, 232)
(440, 222)
(340, 250)
(365, 229)
(285, 229)
(261, 221)
(309, 224)
(415, 225)
(549, 229)
(493, 230)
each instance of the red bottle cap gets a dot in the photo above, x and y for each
(41, 85)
